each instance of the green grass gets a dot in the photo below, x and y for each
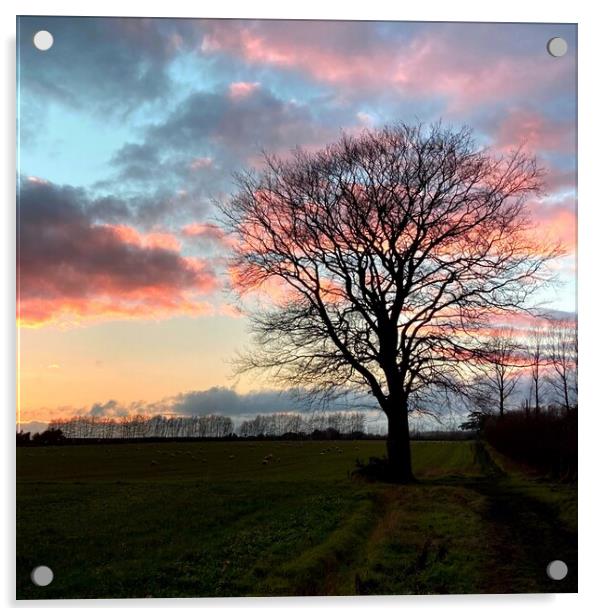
(561, 498)
(211, 519)
(212, 462)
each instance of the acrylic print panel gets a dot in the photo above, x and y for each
(296, 308)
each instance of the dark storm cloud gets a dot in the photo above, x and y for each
(104, 64)
(138, 161)
(228, 402)
(56, 234)
(224, 401)
(211, 135)
(244, 123)
(153, 204)
(185, 162)
(108, 408)
(69, 262)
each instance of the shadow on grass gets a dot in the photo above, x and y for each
(524, 532)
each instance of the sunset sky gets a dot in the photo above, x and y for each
(130, 129)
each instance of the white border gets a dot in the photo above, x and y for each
(590, 279)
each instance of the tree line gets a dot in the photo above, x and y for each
(543, 357)
(141, 426)
(278, 424)
(324, 425)
(546, 442)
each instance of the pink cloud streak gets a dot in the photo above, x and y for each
(423, 66)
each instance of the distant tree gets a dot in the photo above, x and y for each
(49, 437)
(499, 369)
(536, 347)
(390, 248)
(23, 438)
(526, 405)
(475, 421)
(562, 348)
(330, 434)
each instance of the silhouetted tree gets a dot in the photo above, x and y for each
(388, 249)
(536, 346)
(49, 437)
(499, 366)
(140, 426)
(475, 421)
(23, 438)
(562, 345)
(279, 424)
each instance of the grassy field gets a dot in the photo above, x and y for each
(212, 519)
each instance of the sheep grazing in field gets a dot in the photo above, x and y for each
(154, 463)
(264, 461)
(231, 456)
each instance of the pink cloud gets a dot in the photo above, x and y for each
(290, 48)
(535, 132)
(130, 235)
(71, 269)
(467, 79)
(365, 119)
(203, 162)
(422, 66)
(71, 311)
(560, 180)
(228, 310)
(36, 180)
(205, 230)
(242, 89)
(556, 222)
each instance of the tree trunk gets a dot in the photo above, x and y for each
(567, 405)
(398, 445)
